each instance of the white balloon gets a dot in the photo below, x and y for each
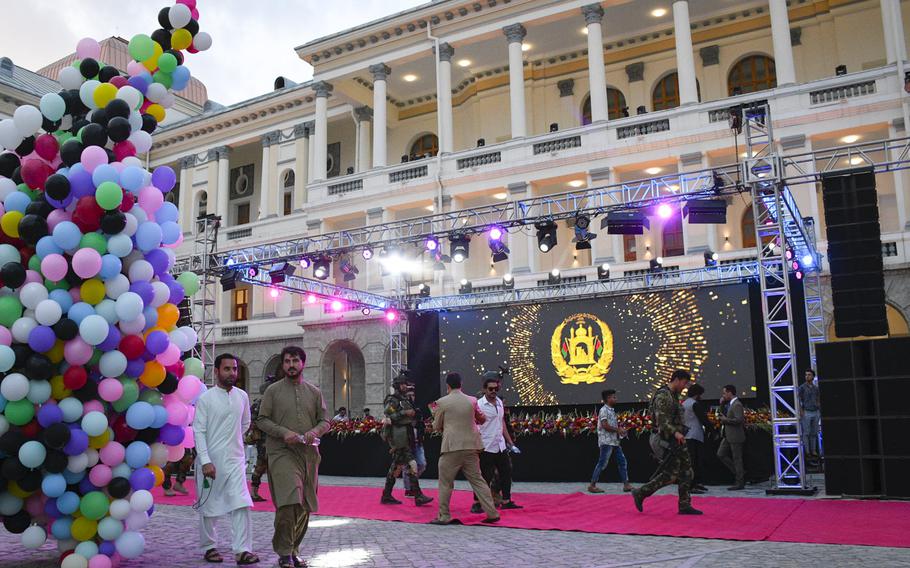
(116, 286)
(87, 91)
(119, 245)
(122, 470)
(48, 312)
(179, 15)
(70, 78)
(133, 160)
(137, 520)
(107, 309)
(159, 454)
(141, 270)
(141, 501)
(133, 327)
(34, 537)
(28, 120)
(202, 41)
(77, 463)
(9, 134)
(190, 333)
(7, 186)
(8, 253)
(120, 509)
(168, 100)
(9, 504)
(39, 392)
(93, 456)
(132, 96)
(14, 387)
(142, 140)
(155, 92)
(131, 225)
(71, 408)
(32, 294)
(135, 121)
(139, 213)
(162, 294)
(74, 561)
(22, 327)
(112, 364)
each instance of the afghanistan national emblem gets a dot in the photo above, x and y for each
(582, 349)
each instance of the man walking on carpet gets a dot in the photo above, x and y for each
(733, 423)
(222, 417)
(292, 415)
(495, 463)
(669, 441)
(456, 415)
(401, 437)
(608, 437)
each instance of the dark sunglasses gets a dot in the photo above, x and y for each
(493, 389)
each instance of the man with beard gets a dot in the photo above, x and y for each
(400, 435)
(292, 415)
(222, 416)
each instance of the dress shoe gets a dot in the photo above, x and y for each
(422, 499)
(736, 487)
(626, 487)
(511, 505)
(490, 520)
(690, 511)
(445, 523)
(475, 508)
(179, 488)
(169, 493)
(639, 500)
(389, 500)
(594, 489)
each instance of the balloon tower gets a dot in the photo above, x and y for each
(97, 390)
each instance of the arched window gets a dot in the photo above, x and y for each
(287, 186)
(750, 74)
(426, 144)
(616, 106)
(747, 225)
(666, 92)
(672, 236)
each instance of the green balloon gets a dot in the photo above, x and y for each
(96, 357)
(50, 285)
(109, 195)
(151, 396)
(167, 62)
(129, 396)
(10, 310)
(141, 47)
(62, 136)
(94, 505)
(190, 282)
(34, 263)
(192, 366)
(19, 412)
(163, 78)
(95, 241)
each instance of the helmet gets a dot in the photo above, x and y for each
(401, 379)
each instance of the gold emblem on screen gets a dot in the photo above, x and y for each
(582, 350)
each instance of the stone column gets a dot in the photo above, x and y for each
(478, 245)
(380, 73)
(265, 185)
(372, 267)
(519, 244)
(891, 15)
(685, 59)
(606, 247)
(363, 114)
(887, 31)
(780, 36)
(320, 154)
(211, 177)
(302, 165)
(515, 34)
(186, 202)
(901, 183)
(567, 101)
(223, 201)
(638, 93)
(311, 151)
(444, 97)
(597, 76)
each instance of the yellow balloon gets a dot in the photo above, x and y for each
(181, 39)
(159, 474)
(104, 93)
(84, 528)
(168, 314)
(16, 491)
(152, 62)
(155, 110)
(56, 352)
(92, 291)
(153, 375)
(58, 390)
(101, 440)
(10, 222)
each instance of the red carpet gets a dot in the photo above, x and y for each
(873, 523)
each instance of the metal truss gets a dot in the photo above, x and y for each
(204, 311)
(812, 291)
(398, 335)
(653, 281)
(300, 285)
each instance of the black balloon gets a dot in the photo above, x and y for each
(39, 368)
(55, 462)
(107, 73)
(26, 147)
(31, 481)
(118, 129)
(149, 435)
(192, 27)
(99, 116)
(117, 107)
(164, 19)
(17, 176)
(72, 100)
(56, 436)
(111, 157)
(89, 67)
(39, 206)
(78, 124)
(163, 37)
(13, 274)
(113, 222)
(49, 125)
(13, 469)
(169, 384)
(22, 352)
(70, 153)
(119, 487)
(8, 164)
(149, 123)
(31, 228)
(178, 55)
(17, 523)
(65, 329)
(11, 441)
(88, 392)
(57, 185)
(94, 135)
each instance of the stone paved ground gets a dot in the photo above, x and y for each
(337, 542)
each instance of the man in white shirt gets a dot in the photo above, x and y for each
(608, 434)
(222, 417)
(495, 463)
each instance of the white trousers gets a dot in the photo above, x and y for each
(241, 529)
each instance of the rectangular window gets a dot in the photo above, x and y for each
(628, 247)
(243, 214)
(287, 203)
(240, 304)
(673, 244)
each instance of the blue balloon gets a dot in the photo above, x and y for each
(170, 232)
(140, 415)
(46, 246)
(132, 178)
(148, 236)
(138, 454)
(121, 470)
(79, 311)
(68, 502)
(63, 298)
(53, 485)
(151, 316)
(2, 399)
(67, 235)
(167, 212)
(160, 416)
(103, 173)
(120, 245)
(73, 478)
(180, 78)
(110, 266)
(62, 527)
(17, 201)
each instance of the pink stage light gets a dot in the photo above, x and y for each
(310, 299)
(496, 233)
(391, 315)
(336, 306)
(274, 292)
(664, 211)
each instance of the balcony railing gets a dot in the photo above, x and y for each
(651, 127)
(479, 160)
(408, 174)
(551, 146)
(345, 187)
(834, 94)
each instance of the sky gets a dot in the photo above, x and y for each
(253, 40)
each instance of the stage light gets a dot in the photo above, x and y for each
(391, 316)
(460, 246)
(664, 211)
(229, 281)
(498, 249)
(706, 211)
(310, 298)
(710, 258)
(546, 235)
(322, 267)
(603, 271)
(347, 268)
(465, 287)
(273, 292)
(229, 262)
(808, 261)
(305, 263)
(366, 311)
(625, 223)
(583, 237)
(423, 290)
(279, 272)
(656, 264)
(432, 243)
(496, 233)
(336, 305)
(252, 272)
(367, 253)
(508, 282)
(799, 275)
(554, 277)
(788, 254)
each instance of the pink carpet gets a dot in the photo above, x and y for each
(872, 523)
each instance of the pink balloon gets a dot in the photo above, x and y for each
(170, 355)
(92, 157)
(6, 338)
(118, 81)
(56, 217)
(150, 199)
(100, 475)
(92, 406)
(86, 262)
(110, 389)
(188, 3)
(176, 413)
(54, 266)
(174, 453)
(188, 388)
(100, 561)
(77, 352)
(194, 13)
(87, 47)
(34, 505)
(189, 441)
(112, 454)
(33, 276)
(75, 295)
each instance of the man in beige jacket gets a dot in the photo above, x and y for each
(456, 415)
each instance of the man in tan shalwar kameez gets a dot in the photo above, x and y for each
(292, 415)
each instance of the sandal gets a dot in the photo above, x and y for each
(285, 562)
(245, 558)
(213, 556)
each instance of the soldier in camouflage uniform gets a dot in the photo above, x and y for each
(399, 433)
(675, 466)
(255, 436)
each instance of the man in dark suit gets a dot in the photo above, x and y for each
(457, 415)
(733, 423)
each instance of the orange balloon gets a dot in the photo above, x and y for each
(159, 474)
(153, 375)
(168, 314)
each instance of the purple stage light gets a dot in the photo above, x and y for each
(432, 243)
(391, 316)
(337, 306)
(664, 211)
(495, 233)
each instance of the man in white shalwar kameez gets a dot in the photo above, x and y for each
(222, 416)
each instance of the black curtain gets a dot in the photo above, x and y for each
(423, 355)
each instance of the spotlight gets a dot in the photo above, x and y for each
(423, 290)
(229, 281)
(808, 260)
(279, 272)
(499, 249)
(710, 258)
(496, 233)
(554, 277)
(391, 316)
(583, 237)
(656, 264)
(664, 211)
(348, 269)
(432, 243)
(603, 271)
(367, 253)
(310, 298)
(366, 311)
(229, 261)
(799, 275)
(322, 267)
(305, 263)
(336, 305)
(546, 235)
(465, 287)
(274, 293)
(625, 223)
(460, 244)
(508, 282)
(252, 272)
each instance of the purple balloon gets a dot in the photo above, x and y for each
(157, 342)
(158, 259)
(78, 442)
(171, 435)
(81, 184)
(107, 548)
(49, 413)
(41, 338)
(50, 508)
(145, 291)
(134, 367)
(112, 340)
(139, 82)
(164, 178)
(142, 478)
(177, 292)
(86, 486)
(147, 356)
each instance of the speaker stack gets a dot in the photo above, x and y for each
(864, 387)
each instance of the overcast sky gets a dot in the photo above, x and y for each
(254, 40)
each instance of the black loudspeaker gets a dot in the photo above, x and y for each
(855, 253)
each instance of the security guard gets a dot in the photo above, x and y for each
(398, 431)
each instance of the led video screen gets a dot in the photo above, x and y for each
(564, 353)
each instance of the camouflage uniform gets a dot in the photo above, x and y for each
(255, 436)
(400, 437)
(676, 465)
